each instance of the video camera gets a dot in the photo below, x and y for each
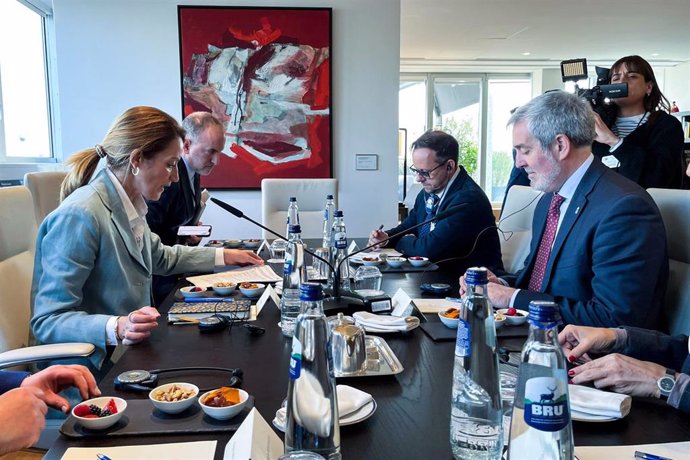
(599, 96)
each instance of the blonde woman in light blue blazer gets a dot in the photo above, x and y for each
(95, 254)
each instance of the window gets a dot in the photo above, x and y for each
(474, 108)
(24, 108)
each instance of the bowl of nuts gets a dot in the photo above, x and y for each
(223, 288)
(173, 398)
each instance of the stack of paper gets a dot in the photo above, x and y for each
(262, 274)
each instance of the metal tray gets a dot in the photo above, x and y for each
(380, 360)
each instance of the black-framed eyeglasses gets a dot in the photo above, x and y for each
(424, 172)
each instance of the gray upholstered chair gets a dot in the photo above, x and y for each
(515, 226)
(311, 199)
(675, 210)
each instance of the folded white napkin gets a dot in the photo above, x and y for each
(597, 402)
(372, 322)
(350, 400)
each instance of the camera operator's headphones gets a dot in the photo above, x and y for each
(144, 381)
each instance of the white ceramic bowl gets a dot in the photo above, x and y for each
(224, 290)
(520, 318)
(101, 423)
(174, 407)
(499, 322)
(224, 413)
(395, 262)
(232, 243)
(188, 291)
(251, 244)
(371, 262)
(418, 261)
(449, 322)
(215, 244)
(253, 293)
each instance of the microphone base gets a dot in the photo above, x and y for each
(349, 300)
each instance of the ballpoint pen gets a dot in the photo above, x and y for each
(208, 299)
(380, 227)
(646, 456)
(102, 457)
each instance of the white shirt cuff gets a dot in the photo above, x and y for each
(111, 331)
(512, 298)
(616, 145)
(220, 258)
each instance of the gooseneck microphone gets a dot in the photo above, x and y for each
(335, 270)
(237, 213)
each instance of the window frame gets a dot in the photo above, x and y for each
(45, 12)
(430, 79)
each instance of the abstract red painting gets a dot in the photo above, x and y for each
(266, 74)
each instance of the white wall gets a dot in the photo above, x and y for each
(114, 55)
(676, 85)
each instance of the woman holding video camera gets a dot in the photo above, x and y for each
(644, 143)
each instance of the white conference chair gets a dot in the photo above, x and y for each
(675, 211)
(45, 190)
(17, 244)
(515, 226)
(311, 199)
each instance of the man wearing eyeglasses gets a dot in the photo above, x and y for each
(468, 237)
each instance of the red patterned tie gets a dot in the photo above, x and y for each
(546, 243)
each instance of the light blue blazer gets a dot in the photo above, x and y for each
(88, 267)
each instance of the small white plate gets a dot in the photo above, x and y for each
(357, 416)
(375, 330)
(584, 417)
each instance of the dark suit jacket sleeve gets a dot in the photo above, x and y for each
(651, 156)
(159, 212)
(666, 350)
(11, 379)
(629, 239)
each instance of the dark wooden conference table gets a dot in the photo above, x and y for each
(413, 415)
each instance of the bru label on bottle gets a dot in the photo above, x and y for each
(296, 359)
(546, 404)
(287, 267)
(340, 240)
(463, 341)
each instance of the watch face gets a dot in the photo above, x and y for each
(666, 384)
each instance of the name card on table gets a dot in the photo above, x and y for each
(254, 440)
(202, 450)
(353, 247)
(402, 303)
(269, 293)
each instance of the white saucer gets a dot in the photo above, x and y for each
(584, 417)
(357, 416)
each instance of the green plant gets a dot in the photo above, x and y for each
(465, 134)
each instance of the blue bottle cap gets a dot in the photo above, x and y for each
(476, 275)
(338, 213)
(310, 291)
(293, 198)
(295, 229)
(544, 313)
(329, 197)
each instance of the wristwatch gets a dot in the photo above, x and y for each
(666, 384)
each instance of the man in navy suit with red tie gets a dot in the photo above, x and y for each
(598, 241)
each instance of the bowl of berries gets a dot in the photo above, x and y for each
(99, 413)
(513, 316)
(192, 291)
